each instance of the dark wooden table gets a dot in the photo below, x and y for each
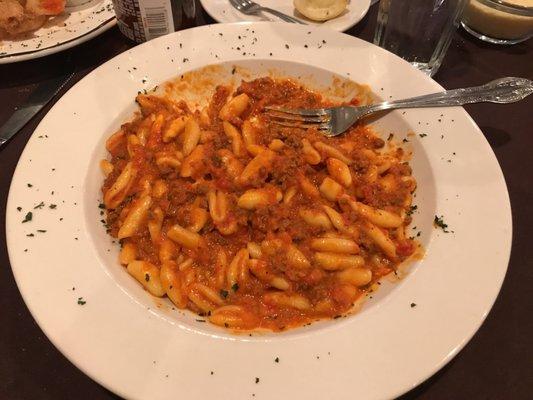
(496, 364)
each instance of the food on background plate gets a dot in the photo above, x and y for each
(320, 10)
(19, 16)
(252, 224)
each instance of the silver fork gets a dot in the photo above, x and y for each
(335, 120)
(250, 8)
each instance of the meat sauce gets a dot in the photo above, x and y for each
(380, 179)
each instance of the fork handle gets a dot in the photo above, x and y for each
(505, 90)
(282, 16)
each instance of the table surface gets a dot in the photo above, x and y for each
(498, 361)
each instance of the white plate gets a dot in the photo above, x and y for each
(75, 26)
(125, 341)
(222, 11)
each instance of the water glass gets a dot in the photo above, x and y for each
(419, 31)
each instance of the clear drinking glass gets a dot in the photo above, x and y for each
(419, 31)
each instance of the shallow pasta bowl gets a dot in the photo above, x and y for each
(139, 347)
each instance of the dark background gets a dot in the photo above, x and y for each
(498, 361)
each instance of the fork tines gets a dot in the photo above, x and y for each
(300, 118)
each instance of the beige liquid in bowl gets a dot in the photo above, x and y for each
(499, 24)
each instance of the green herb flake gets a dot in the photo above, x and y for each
(147, 277)
(39, 206)
(391, 135)
(52, 206)
(29, 185)
(235, 287)
(41, 230)
(28, 217)
(256, 379)
(102, 206)
(30, 235)
(276, 359)
(412, 209)
(413, 305)
(81, 302)
(423, 135)
(223, 293)
(19, 208)
(438, 222)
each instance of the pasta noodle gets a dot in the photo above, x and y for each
(249, 223)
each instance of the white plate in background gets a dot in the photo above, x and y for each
(121, 338)
(222, 11)
(74, 26)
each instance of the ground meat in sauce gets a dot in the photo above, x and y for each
(324, 293)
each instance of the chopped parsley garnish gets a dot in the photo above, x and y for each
(29, 185)
(81, 302)
(39, 206)
(412, 209)
(405, 140)
(28, 217)
(256, 379)
(391, 135)
(30, 235)
(147, 277)
(235, 287)
(41, 230)
(19, 208)
(423, 135)
(413, 305)
(438, 222)
(223, 293)
(102, 206)
(276, 359)
(52, 206)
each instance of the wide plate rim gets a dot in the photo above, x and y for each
(456, 349)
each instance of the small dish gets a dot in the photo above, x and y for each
(221, 11)
(498, 21)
